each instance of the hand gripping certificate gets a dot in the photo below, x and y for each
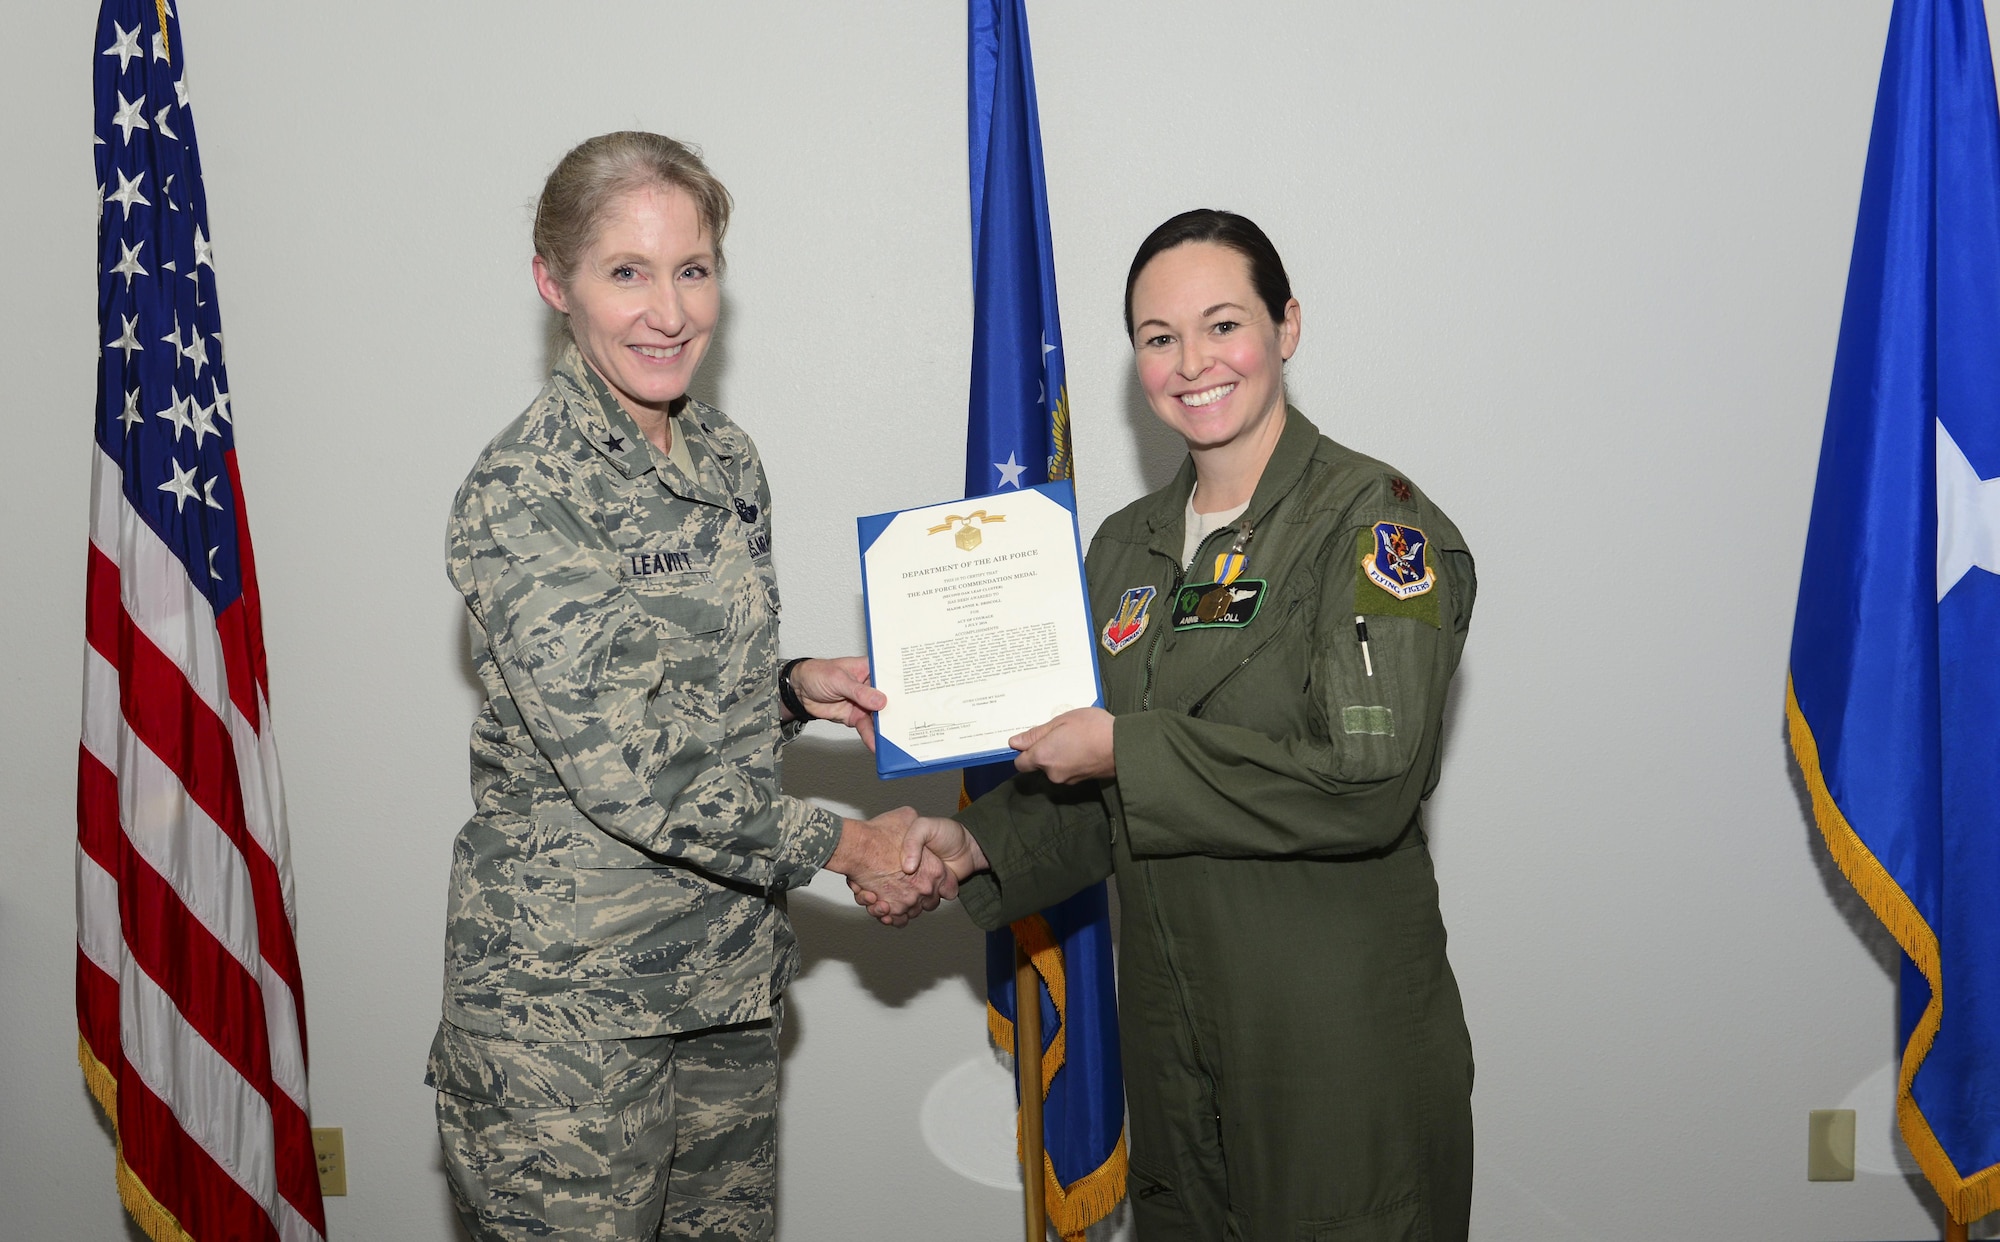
(978, 625)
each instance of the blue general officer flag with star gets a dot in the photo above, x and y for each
(1017, 434)
(1894, 697)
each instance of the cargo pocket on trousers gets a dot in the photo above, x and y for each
(1399, 1222)
(1150, 1187)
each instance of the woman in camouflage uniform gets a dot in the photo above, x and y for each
(1280, 625)
(617, 944)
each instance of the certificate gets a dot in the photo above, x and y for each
(978, 625)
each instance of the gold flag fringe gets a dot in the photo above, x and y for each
(1039, 943)
(158, 1223)
(1095, 1195)
(165, 50)
(1075, 1208)
(1966, 1199)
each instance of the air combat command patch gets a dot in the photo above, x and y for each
(1397, 562)
(1124, 629)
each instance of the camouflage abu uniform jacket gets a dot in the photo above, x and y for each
(623, 872)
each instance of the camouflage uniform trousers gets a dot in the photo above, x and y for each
(627, 1139)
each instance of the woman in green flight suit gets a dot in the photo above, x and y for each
(1280, 625)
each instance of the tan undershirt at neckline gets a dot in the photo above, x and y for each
(1199, 526)
(677, 449)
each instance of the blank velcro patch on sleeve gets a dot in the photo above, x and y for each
(1373, 721)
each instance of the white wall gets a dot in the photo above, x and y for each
(1577, 268)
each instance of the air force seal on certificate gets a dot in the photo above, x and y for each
(1397, 564)
(1124, 629)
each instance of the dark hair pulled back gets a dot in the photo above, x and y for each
(1224, 228)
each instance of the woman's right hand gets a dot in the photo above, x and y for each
(838, 690)
(1075, 746)
(929, 844)
(870, 855)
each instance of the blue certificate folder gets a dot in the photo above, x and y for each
(892, 760)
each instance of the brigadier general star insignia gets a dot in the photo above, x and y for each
(615, 443)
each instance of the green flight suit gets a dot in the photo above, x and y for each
(1296, 1059)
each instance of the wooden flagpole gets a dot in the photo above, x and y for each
(1028, 1082)
(1954, 1230)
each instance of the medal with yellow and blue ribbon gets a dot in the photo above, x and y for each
(1228, 568)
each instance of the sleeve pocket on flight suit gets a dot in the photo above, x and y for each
(1375, 703)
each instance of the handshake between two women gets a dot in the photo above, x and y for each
(901, 864)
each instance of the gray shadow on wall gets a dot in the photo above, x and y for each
(1454, 703)
(1874, 937)
(132, 1231)
(1159, 450)
(1868, 929)
(555, 335)
(894, 965)
(712, 379)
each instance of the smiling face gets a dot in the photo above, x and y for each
(1211, 359)
(644, 298)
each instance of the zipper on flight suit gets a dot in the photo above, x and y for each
(1269, 638)
(1180, 985)
(1173, 593)
(1153, 650)
(1202, 702)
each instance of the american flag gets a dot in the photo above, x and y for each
(190, 1015)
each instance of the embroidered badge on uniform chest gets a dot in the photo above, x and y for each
(1124, 629)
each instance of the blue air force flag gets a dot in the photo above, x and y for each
(1017, 434)
(1894, 699)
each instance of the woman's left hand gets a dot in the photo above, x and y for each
(1072, 747)
(838, 690)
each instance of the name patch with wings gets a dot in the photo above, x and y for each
(1217, 605)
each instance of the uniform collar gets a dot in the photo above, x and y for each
(1281, 474)
(710, 439)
